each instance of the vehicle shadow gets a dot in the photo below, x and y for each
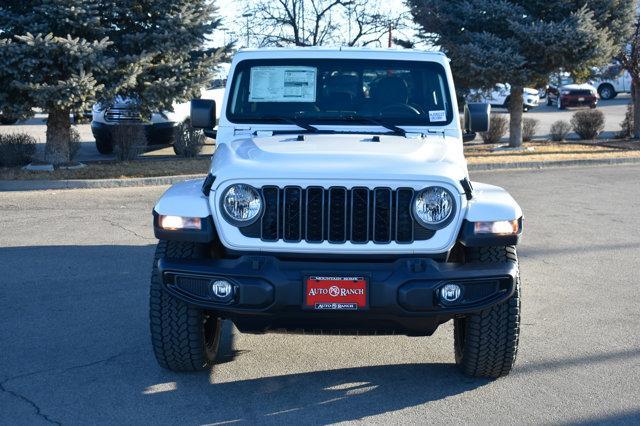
(319, 397)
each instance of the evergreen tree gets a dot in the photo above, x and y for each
(63, 55)
(522, 41)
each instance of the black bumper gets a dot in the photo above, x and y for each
(402, 295)
(157, 133)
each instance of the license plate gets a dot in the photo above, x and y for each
(580, 99)
(336, 293)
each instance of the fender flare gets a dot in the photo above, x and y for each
(185, 199)
(490, 204)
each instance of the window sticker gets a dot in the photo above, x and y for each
(282, 84)
(436, 116)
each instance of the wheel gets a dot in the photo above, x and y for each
(104, 145)
(486, 342)
(606, 91)
(7, 120)
(184, 338)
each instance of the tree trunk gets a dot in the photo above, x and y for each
(56, 150)
(635, 92)
(515, 116)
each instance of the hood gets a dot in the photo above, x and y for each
(340, 157)
(583, 86)
(530, 91)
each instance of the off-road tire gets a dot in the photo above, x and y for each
(104, 145)
(486, 342)
(184, 338)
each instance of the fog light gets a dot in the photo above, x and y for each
(222, 289)
(450, 293)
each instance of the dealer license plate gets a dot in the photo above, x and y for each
(580, 99)
(336, 293)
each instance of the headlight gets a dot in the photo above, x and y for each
(241, 204)
(433, 207)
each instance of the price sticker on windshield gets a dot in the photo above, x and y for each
(282, 84)
(436, 116)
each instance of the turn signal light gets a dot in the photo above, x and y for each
(173, 223)
(503, 227)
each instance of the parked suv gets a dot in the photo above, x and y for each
(159, 128)
(572, 95)
(338, 201)
(501, 95)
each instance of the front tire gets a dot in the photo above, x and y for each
(184, 338)
(104, 145)
(606, 92)
(486, 342)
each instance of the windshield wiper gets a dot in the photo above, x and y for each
(295, 121)
(394, 129)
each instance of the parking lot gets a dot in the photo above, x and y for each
(614, 111)
(75, 344)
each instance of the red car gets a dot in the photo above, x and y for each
(573, 95)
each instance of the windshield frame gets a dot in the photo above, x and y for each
(339, 119)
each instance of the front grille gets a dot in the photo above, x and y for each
(337, 215)
(122, 115)
(580, 92)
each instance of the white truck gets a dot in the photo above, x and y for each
(159, 128)
(617, 81)
(338, 201)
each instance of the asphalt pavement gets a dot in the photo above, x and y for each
(74, 340)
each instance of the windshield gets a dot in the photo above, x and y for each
(337, 91)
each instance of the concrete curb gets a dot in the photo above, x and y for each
(552, 164)
(39, 185)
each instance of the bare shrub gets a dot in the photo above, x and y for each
(129, 141)
(626, 127)
(189, 141)
(559, 130)
(16, 149)
(529, 128)
(74, 142)
(498, 125)
(588, 124)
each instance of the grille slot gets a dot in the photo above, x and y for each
(292, 214)
(337, 215)
(122, 115)
(382, 215)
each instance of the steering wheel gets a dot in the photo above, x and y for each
(399, 108)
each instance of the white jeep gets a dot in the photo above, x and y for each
(338, 201)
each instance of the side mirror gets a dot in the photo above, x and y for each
(203, 113)
(476, 117)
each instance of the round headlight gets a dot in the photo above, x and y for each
(433, 207)
(241, 204)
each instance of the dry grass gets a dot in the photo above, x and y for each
(548, 151)
(114, 170)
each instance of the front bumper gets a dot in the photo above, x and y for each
(576, 100)
(402, 294)
(157, 133)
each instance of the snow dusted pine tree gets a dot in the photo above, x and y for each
(63, 55)
(522, 41)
